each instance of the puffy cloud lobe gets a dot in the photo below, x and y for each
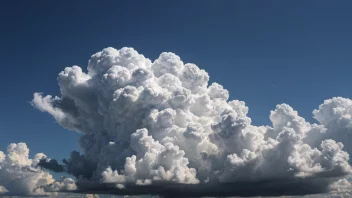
(21, 175)
(3, 190)
(336, 116)
(91, 196)
(342, 185)
(157, 162)
(168, 63)
(146, 122)
(66, 184)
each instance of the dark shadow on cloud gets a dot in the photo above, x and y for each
(52, 165)
(243, 189)
(77, 165)
(270, 187)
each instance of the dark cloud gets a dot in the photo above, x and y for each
(244, 189)
(51, 164)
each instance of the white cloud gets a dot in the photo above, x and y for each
(91, 196)
(3, 190)
(20, 175)
(144, 122)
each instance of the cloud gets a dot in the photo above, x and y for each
(244, 189)
(3, 190)
(66, 184)
(20, 175)
(51, 164)
(342, 185)
(147, 123)
(91, 196)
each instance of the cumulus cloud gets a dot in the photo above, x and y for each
(3, 190)
(91, 196)
(146, 123)
(20, 175)
(65, 184)
(342, 185)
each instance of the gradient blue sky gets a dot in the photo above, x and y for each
(263, 52)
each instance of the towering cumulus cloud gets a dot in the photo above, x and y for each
(147, 123)
(21, 176)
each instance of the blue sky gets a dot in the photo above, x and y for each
(263, 52)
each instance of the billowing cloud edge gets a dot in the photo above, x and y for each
(20, 175)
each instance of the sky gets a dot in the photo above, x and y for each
(264, 52)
